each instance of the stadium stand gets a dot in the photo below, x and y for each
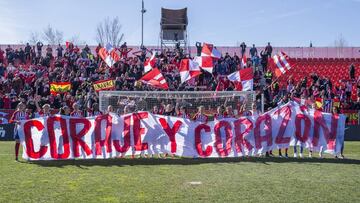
(27, 71)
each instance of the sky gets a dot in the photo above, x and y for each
(224, 23)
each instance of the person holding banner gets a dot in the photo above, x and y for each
(229, 113)
(65, 111)
(220, 113)
(41, 112)
(335, 111)
(76, 112)
(183, 113)
(200, 115)
(94, 111)
(19, 115)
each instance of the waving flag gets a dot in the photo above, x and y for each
(209, 50)
(59, 87)
(336, 102)
(319, 103)
(327, 105)
(280, 61)
(188, 69)
(109, 55)
(156, 79)
(243, 61)
(244, 77)
(205, 62)
(150, 63)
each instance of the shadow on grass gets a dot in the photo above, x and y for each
(81, 163)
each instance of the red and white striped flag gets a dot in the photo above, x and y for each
(109, 55)
(188, 69)
(155, 78)
(209, 50)
(205, 62)
(243, 61)
(150, 63)
(243, 77)
(280, 61)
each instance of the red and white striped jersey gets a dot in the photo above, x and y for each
(42, 114)
(200, 117)
(76, 114)
(184, 115)
(19, 116)
(93, 113)
(219, 116)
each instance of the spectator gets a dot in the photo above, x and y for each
(27, 52)
(268, 50)
(59, 50)
(253, 51)
(352, 71)
(198, 48)
(243, 49)
(2, 56)
(39, 46)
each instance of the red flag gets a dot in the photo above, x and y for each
(188, 69)
(109, 55)
(156, 79)
(209, 50)
(205, 62)
(243, 61)
(280, 63)
(245, 77)
(150, 63)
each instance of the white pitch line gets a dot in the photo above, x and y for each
(195, 183)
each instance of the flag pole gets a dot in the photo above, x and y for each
(142, 23)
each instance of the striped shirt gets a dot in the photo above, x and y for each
(327, 105)
(42, 114)
(201, 118)
(93, 113)
(184, 115)
(76, 114)
(19, 116)
(219, 116)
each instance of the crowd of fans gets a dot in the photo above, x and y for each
(26, 74)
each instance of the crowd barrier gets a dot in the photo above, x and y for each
(6, 132)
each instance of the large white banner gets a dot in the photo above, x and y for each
(109, 136)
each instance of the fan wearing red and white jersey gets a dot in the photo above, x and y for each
(220, 113)
(229, 113)
(44, 111)
(76, 112)
(254, 110)
(200, 115)
(183, 113)
(94, 111)
(156, 110)
(19, 115)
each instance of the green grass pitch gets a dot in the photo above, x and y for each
(182, 179)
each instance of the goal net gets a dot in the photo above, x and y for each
(133, 101)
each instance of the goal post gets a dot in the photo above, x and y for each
(135, 101)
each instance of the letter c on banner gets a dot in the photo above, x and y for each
(29, 141)
(198, 144)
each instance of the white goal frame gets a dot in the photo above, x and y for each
(249, 95)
